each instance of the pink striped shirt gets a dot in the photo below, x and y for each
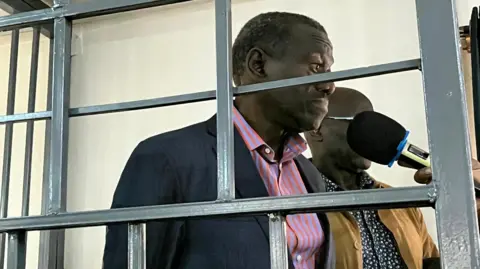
(304, 233)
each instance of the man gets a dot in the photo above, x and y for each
(389, 238)
(180, 166)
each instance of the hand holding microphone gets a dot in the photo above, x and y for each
(424, 175)
(381, 139)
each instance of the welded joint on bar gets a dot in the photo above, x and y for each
(432, 192)
(57, 4)
(275, 217)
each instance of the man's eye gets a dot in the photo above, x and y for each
(316, 68)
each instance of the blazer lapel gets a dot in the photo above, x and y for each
(248, 183)
(311, 177)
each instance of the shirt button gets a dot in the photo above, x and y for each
(268, 151)
(299, 258)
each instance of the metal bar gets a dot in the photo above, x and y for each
(30, 18)
(60, 3)
(33, 116)
(362, 72)
(475, 64)
(446, 112)
(344, 201)
(225, 154)
(76, 11)
(7, 146)
(17, 241)
(57, 183)
(17, 6)
(278, 242)
(27, 174)
(59, 123)
(17, 250)
(136, 247)
(45, 243)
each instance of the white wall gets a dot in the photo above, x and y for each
(171, 50)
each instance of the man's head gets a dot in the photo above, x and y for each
(329, 143)
(280, 45)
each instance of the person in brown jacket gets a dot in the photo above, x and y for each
(369, 239)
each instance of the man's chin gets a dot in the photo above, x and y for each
(317, 121)
(306, 125)
(364, 166)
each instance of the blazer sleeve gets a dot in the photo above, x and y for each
(147, 179)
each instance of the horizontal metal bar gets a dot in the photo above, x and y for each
(30, 18)
(76, 11)
(105, 7)
(143, 104)
(355, 73)
(374, 70)
(347, 200)
(18, 6)
(33, 116)
(361, 72)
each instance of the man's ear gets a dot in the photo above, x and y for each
(255, 63)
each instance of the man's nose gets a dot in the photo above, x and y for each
(327, 88)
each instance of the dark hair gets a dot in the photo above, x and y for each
(269, 31)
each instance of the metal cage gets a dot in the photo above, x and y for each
(451, 192)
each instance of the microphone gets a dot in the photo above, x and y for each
(382, 140)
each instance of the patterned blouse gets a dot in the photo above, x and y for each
(379, 249)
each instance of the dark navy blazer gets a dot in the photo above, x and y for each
(181, 167)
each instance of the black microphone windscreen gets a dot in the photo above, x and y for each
(375, 136)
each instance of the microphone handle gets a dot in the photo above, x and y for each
(407, 162)
(410, 163)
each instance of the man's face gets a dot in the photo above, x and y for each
(331, 139)
(300, 108)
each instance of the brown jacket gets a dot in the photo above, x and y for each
(406, 224)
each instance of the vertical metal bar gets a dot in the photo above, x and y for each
(60, 106)
(27, 174)
(448, 134)
(278, 242)
(45, 242)
(7, 146)
(57, 183)
(17, 250)
(475, 63)
(136, 247)
(225, 164)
